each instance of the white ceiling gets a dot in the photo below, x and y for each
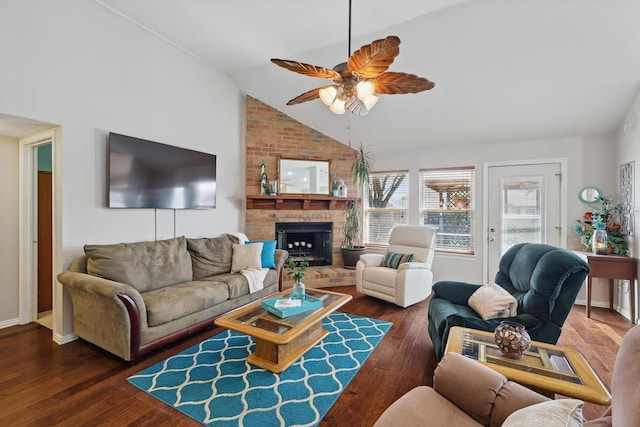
(505, 70)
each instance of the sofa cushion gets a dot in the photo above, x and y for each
(143, 265)
(246, 256)
(211, 256)
(268, 255)
(173, 302)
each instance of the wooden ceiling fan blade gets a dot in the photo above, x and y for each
(391, 83)
(307, 96)
(307, 69)
(374, 59)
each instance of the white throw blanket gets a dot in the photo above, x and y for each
(492, 301)
(255, 278)
(238, 235)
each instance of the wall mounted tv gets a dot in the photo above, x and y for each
(147, 174)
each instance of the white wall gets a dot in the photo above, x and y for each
(580, 152)
(628, 150)
(8, 230)
(79, 65)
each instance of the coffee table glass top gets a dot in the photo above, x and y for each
(258, 317)
(552, 363)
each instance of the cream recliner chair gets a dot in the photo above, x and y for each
(410, 282)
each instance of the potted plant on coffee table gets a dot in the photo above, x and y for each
(351, 233)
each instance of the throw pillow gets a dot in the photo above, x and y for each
(561, 412)
(492, 301)
(394, 259)
(211, 256)
(245, 257)
(268, 255)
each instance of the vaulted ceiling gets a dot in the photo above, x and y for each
(504, 70)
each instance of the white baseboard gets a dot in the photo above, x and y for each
(7, 323)
(64, 339)
(604, 304)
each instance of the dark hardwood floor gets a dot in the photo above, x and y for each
(77, 384)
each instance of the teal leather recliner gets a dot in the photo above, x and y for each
(544, 279)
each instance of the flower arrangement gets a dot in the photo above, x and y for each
(602, 218)
(296, 269)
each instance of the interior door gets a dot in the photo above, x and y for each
(45, 266)
(524, 206)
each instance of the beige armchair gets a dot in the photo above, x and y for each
(467, 393)
(404, 284)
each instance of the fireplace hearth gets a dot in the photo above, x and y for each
(311, 240)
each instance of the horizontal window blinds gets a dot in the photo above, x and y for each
(447, 202)
(386, 203)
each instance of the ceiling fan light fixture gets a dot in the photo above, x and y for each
(337, 107)
(328, 95)
(365, 89)
(370, 101)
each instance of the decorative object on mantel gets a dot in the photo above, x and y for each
(359, 78)
(264, 181)
(601, 219)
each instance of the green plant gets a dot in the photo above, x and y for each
(360, 171)
(297, 269)
(361, 167)
(351, 229)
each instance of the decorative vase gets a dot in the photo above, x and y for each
(298, 290)
(599, 242)
(512, 339)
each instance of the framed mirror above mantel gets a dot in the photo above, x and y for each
(304, 177)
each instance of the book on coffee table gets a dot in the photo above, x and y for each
(283, 309)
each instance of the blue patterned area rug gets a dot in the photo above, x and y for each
(212, 382)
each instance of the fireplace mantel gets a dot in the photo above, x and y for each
(296, 202)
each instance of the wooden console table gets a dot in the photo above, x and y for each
(613, 267)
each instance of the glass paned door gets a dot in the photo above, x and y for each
(524, 206)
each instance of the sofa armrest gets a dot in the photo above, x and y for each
(455, 292)
(108, 314)
(413, 266)
(100, 287)
(371, 260)
(280, 257)
(482, 393)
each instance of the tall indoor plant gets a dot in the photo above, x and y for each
(351, 233)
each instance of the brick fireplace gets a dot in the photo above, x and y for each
(272, 135)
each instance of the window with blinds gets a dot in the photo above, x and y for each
(447, 202)
(386, 203)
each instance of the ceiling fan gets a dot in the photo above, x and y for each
(357, 80)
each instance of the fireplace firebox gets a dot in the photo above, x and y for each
(310, 240)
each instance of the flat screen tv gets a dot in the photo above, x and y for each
(147, 174)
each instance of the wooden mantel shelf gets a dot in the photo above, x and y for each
(296, 202)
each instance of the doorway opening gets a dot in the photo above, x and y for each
(38, 230)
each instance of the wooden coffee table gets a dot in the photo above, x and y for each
(546, 368)
(280, 342)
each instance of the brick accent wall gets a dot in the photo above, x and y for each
(271, 135)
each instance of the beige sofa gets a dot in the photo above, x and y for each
(132, 298)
